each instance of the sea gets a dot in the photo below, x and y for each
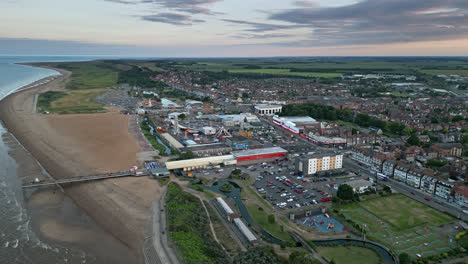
(19, 242)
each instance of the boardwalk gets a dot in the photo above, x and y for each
(80, 179)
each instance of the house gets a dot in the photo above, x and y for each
(448, 149)
(362, 154)
(461, 195)
(388, 166)
(359, 186)
(443, 189)
(401, 171)
(377, 160)
(413, 177)
(376, 130)
(428, 184)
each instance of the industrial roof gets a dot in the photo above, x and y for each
(261, 151)
(225, 206)
(244, 229)
(299, 119)
(261, 107)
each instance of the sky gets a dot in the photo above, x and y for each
(234, 28)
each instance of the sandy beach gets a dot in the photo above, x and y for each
(75, 145)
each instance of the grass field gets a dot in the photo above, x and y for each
(77, 102)
(447, 72)
(288, 72)
(349, 255)
(261, 218)
(402, 224)
(88, 75)
(402, 212)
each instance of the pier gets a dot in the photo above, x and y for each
(82, 179)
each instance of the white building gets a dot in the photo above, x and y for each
(428, 184)
(413, 178)
(443, 189)
(268, 109)
(359, 186)
(400, 173)
(387, 167)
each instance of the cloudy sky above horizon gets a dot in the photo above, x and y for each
(234, 28)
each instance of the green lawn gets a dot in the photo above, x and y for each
(349, 255)
(288, 72)
(261, 218)
(402, 224)
(77, 102)
(403, 212)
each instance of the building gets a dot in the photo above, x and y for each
(428, 184)
(328, 141)
(413, 178)
(205, 150)
(294, 124)
(245, 230)
(388, 166)
(400, 172)
(443, 189)
(268, 109)
(461, 195)
(252, 156)
(238, 142)
(448, 149)
(359, 186)
(363, 155)
(311, 164)
(226, 209)
(193, 164)
(159, 172)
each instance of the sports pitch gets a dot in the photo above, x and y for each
(403, 224)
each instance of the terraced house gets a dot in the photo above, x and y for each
(443, 189)
(401, 170)
(428, 184)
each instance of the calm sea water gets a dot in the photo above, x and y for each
(18, 242)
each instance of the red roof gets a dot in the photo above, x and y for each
(461, 190)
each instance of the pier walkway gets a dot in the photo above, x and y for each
(81, 179)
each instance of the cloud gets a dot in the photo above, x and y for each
(172, 18)
(262, 36)
(186, 6)
(381, 21)
(261, 27)
(306, 3)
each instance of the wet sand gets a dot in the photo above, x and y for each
(75, 145)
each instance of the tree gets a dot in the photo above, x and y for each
(181, 116)
(404, 258)
(387, 189)
(413, 140)
(271, 219)
(236, 172)
(465, 139)
(186, 155)
(345, 192)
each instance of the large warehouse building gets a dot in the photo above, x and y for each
(252, 156)
(311, 164)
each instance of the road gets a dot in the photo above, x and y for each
(419, 195)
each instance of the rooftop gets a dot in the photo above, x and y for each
(262, 151)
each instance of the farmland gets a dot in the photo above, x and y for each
(402, 224)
